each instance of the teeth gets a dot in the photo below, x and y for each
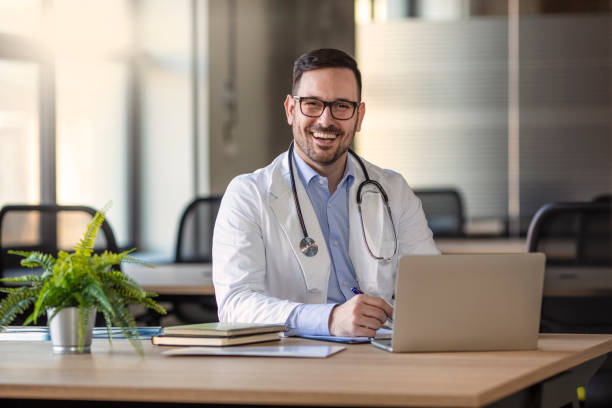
(322, 135)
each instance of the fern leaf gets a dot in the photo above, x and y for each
(131, 259)
(153, 305)
(24, 254)
(15, 303)
(84, 315)
(35, 259)
(85, 246)
(123, 284)
(96, 292)
(129, 289)
(126, 322)
(33, 279)
(44, 292)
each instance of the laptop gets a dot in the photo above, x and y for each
(467, 303)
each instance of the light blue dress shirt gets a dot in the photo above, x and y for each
(332, 213)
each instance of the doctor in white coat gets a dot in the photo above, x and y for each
(260, 272)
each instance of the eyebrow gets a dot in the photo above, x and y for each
(335, 100)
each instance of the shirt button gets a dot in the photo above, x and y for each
(321, 181)
(329, 205)
(336, 243)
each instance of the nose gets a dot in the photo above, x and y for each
(326, 118)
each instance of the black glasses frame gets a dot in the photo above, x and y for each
(325, 105)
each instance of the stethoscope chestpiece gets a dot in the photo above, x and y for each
(308, 246)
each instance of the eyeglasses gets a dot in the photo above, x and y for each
(314, 107)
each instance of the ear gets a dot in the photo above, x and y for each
(360, 113)
(289, 107)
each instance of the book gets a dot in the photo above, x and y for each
(27, 333)
(221, 329)
(166, 340)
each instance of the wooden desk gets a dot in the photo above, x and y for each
(173, 279)
(480, 245)
(578, 281)
(359, 376)
(166, 279)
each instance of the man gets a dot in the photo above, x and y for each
(263, 271)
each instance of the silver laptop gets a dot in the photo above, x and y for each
(467, 303)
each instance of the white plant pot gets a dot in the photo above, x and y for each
(64, 331)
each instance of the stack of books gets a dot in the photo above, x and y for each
(217, 334)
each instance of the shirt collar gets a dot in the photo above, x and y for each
(307, 173)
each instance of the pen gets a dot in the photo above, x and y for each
(358, 292)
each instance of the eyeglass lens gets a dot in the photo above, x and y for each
(339, 109)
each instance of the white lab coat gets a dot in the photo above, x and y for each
(260, 274)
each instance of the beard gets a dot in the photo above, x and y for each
(318, 154)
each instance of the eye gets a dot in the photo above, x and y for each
(311, 102)
(343, 105)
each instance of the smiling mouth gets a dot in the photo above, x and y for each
(324, 136)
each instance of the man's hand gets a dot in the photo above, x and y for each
(359, 316)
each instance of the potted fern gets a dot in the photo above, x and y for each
(70, 290)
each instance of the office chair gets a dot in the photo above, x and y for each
(444, 211)
(603, 198)
(47, 228)
(194, 245)
(194, 239)
(573, 234)
(577, 235)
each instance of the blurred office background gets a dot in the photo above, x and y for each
(149, 103)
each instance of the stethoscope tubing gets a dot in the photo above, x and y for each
(308, 246)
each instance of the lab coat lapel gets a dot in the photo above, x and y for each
(316, 269)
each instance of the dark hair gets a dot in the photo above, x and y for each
(324, 58)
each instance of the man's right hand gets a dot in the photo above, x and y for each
(359, 316)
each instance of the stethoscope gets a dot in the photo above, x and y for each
(309, 246)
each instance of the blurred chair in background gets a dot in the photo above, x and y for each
(47, 228)
(603, 198)
(444, 211)
(577, 239)
(194, 239)
(573, 234)
(194, 245)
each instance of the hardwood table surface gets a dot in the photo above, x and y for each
(173, 279)
(361, 375)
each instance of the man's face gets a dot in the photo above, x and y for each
(323, 140)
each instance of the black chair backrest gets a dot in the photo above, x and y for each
(47, 228)
(194, 240)
(573, 234)
(444, 211)
(603, 198)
